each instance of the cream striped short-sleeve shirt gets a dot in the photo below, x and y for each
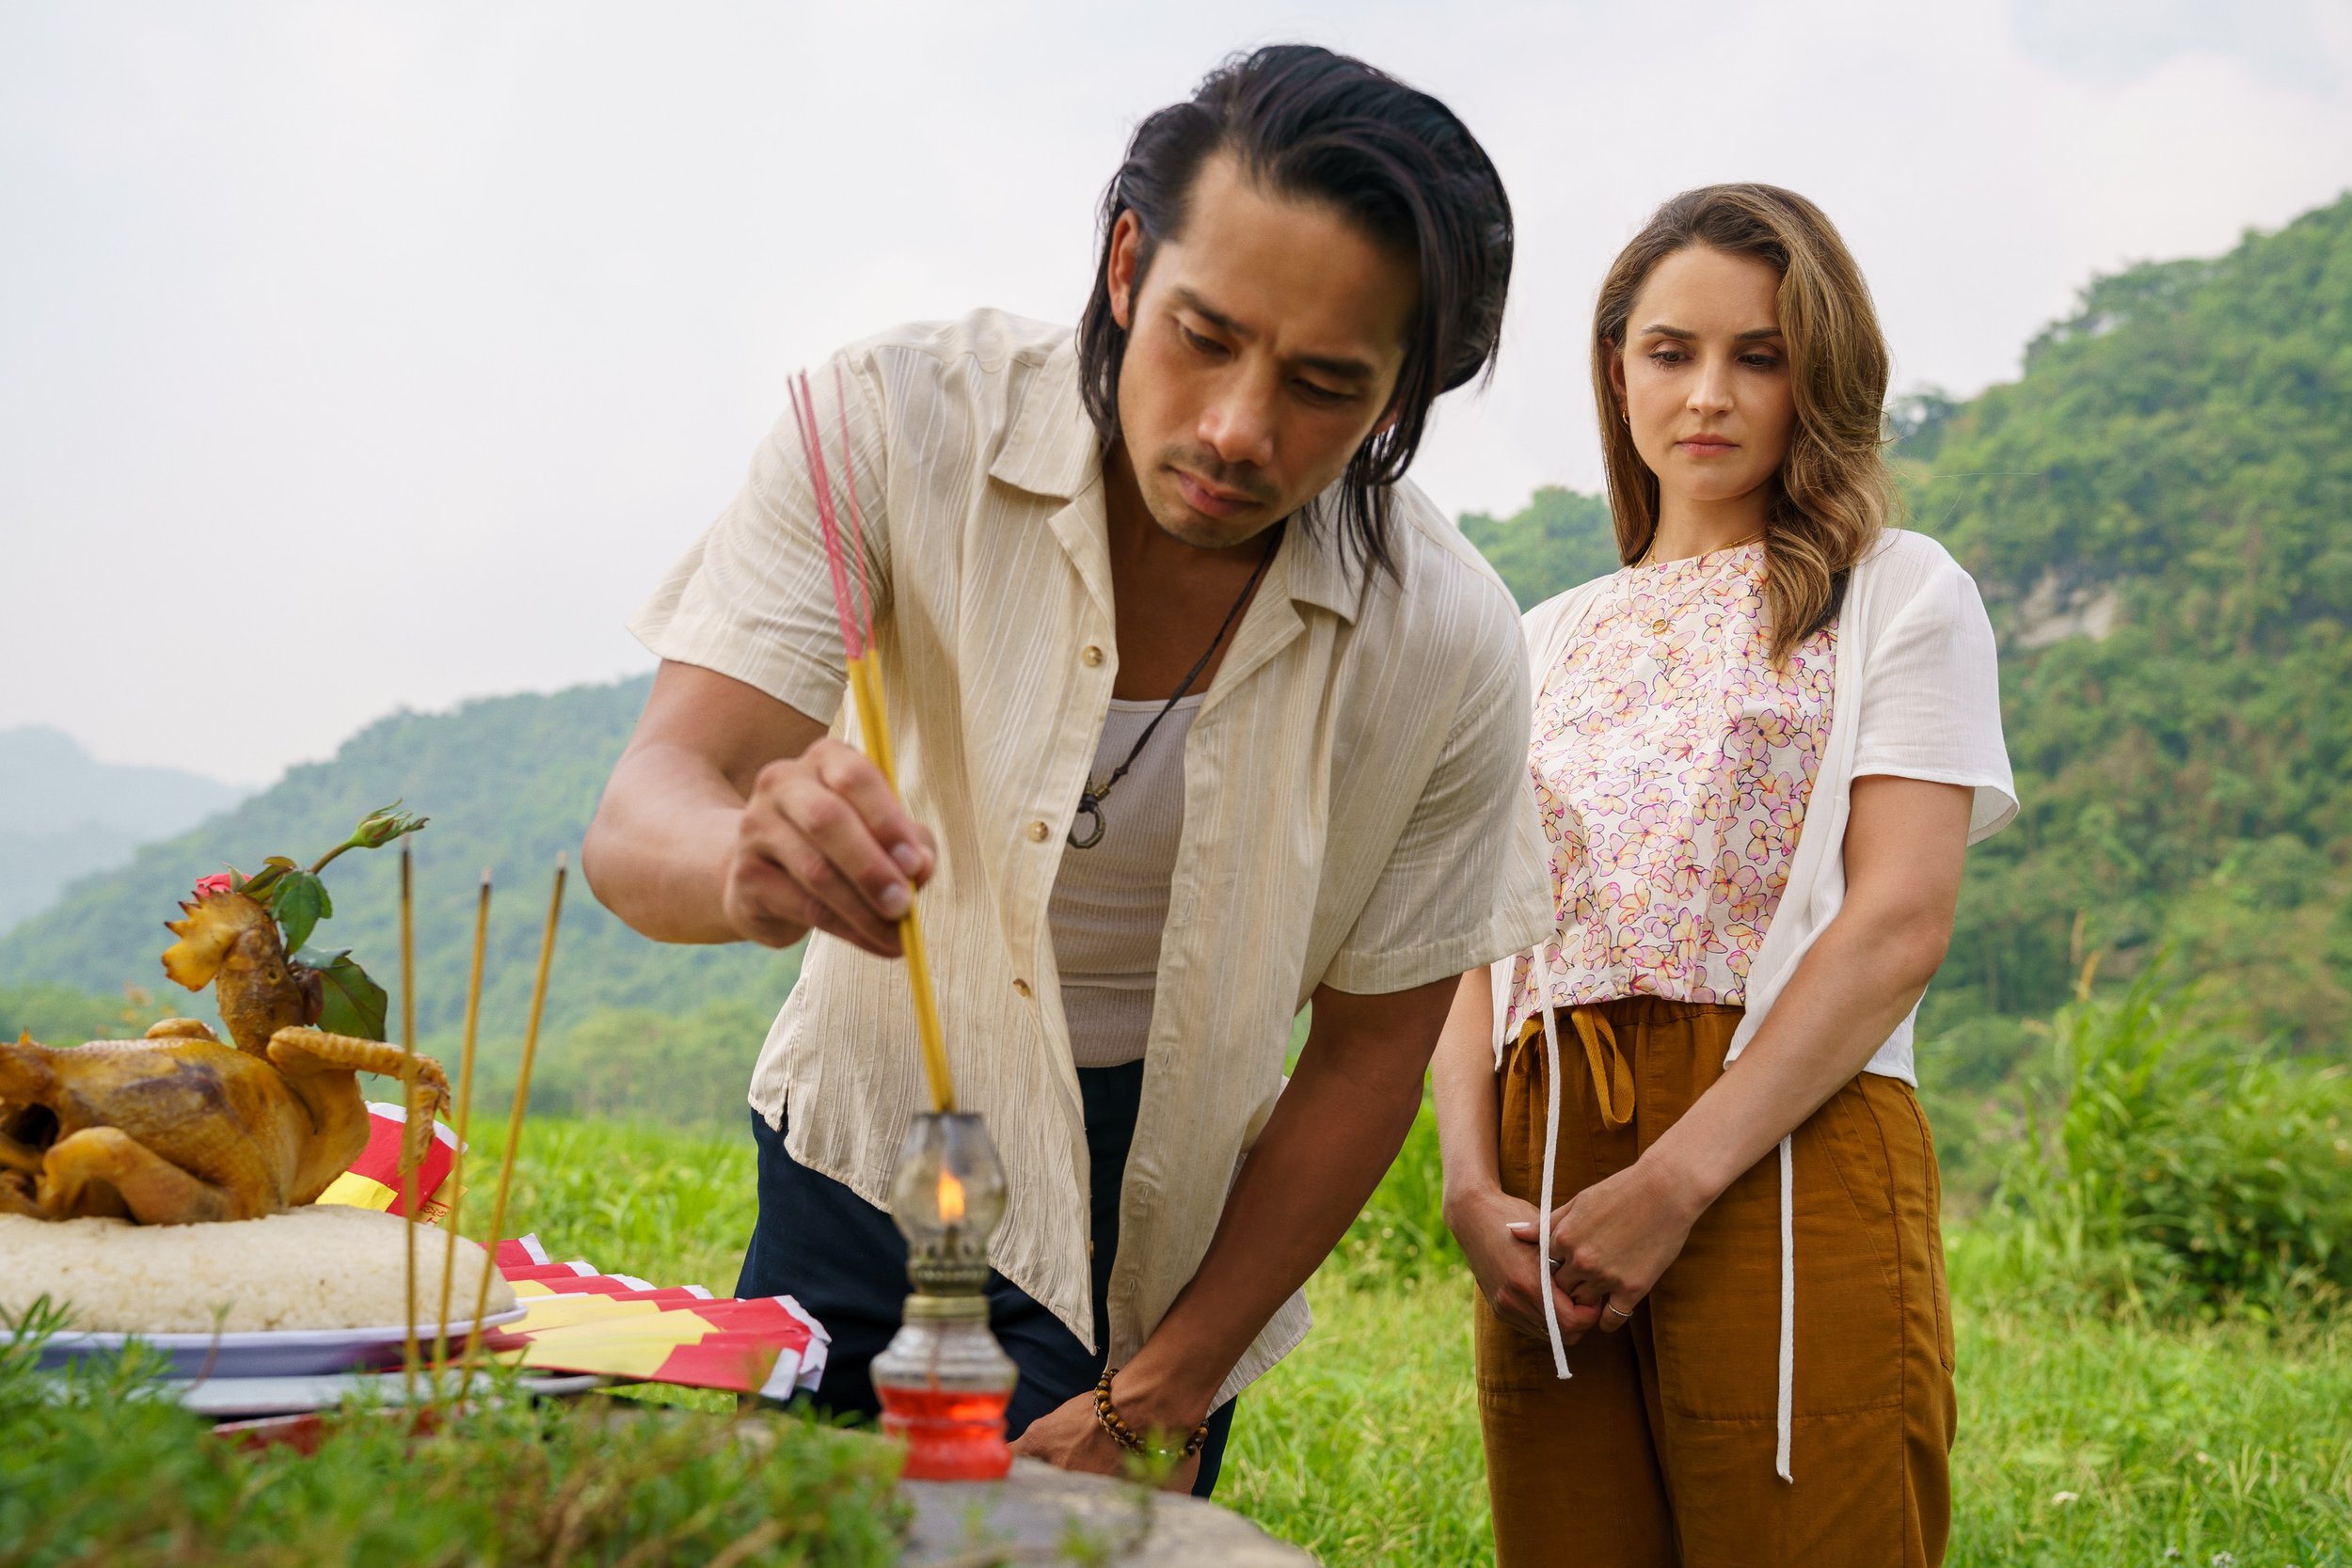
(1357, 812)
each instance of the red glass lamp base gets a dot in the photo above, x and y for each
(950, 1434)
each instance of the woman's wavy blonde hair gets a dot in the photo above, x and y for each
(1831, 495)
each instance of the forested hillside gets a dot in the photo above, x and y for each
(509, 782)
(2174, 469)
(2160, 511)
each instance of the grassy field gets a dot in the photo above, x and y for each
(2086, 1438)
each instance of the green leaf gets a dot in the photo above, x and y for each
(354, 1005)
(299, 901)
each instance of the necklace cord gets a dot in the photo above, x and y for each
(1092, 801)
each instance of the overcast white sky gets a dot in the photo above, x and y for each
(359, 356)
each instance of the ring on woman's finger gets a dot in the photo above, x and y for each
(1613, 1307)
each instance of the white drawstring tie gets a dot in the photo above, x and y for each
(1785, 1404)
(1551, 1153)
(1788, 1305)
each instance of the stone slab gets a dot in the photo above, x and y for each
(1039, 1515)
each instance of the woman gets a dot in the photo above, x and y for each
(1760, 751)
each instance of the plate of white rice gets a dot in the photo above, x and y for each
(316, 1290)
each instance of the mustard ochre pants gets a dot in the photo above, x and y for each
(1660, 1450)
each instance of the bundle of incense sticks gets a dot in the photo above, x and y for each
(854, 603)
(464, 1110)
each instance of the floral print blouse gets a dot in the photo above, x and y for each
(1673, 764)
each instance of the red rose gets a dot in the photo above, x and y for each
(207, 886)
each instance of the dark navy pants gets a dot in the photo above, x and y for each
(842, 1258)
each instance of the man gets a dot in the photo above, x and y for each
(1201, 714)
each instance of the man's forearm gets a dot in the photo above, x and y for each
(657, 854)
(1318, 1160)
(1332, 1136)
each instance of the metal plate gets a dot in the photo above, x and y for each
(235, 1398)
(264, 1353)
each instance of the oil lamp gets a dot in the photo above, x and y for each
(943, 1382)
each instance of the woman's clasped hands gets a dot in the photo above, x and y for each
(1610, 1244)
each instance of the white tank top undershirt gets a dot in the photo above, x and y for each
(1111, 902)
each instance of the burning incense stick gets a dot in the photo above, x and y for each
(515, 1117)
(465, 1114)
(408, 1103)
(865, 672)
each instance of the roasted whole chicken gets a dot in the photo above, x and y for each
(180, 1127)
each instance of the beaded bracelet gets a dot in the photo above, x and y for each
(1106, 1416)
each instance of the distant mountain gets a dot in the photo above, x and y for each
(509, 782)
(2160, 514)
(2160, 511)
(64, 814)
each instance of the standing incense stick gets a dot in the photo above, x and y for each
(859, 650)
(465, 1114)
(408, 1103)
(515, 1117)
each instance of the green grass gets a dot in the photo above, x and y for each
(2225, 1437)
(1362, 1445)
(96, 1474)
(671, 1206)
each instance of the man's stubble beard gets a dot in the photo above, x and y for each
(1162, 502)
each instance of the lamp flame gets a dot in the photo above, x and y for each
(951, 1199)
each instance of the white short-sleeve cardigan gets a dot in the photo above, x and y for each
(1916, 694)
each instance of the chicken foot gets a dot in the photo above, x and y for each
(302, 1052)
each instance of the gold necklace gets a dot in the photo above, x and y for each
(1658, 623)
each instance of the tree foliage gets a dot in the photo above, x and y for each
(2158, 510)
(1558, 540)
(2159, 514)
(509, 782)
(2176, 451)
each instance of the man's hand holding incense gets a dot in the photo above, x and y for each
(823, 844)
(734, 816)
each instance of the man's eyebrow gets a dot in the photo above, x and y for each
(1215, 317)
(1337, 368)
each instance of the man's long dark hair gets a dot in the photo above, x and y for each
(1308, 123)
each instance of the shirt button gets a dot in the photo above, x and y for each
(1091, 655)
(1021, 986)
(1039, 832)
